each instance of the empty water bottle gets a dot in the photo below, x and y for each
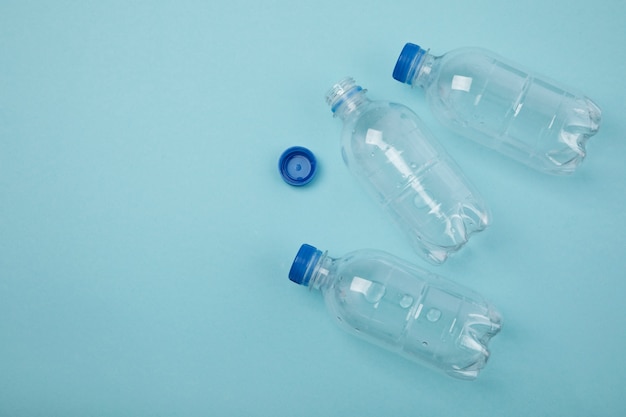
(402, 308)
(397, 159)
(495, 102)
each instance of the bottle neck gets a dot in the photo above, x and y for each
(425, 70)
(346, 98)
(321, 275)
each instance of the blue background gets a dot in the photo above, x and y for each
(146, 236)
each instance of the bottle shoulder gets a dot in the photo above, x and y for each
(371, 265)
(468, 55)
(387, 144)
(461, 66)
(365, 111)
(380, 115)
(375, 266)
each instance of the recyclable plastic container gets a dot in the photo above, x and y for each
(503, 106)
(399, 162)
(396, 305)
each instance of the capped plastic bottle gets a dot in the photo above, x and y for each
(395, 157)
(391, 303)
(502, 106)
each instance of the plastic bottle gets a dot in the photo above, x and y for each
(399, 162)
(495, 102)
(402, 308)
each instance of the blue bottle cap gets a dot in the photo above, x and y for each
(297, 166)
(404, 70)
(302, 266)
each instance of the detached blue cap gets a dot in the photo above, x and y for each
(297, 166)
(407, 63)
(303, 264)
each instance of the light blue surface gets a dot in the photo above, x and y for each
(146, 234)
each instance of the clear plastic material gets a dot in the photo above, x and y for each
(495, 102)
(398, 161)
(391, 303)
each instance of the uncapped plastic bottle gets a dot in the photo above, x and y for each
(403, 166)
(393, 304)
(497, 103)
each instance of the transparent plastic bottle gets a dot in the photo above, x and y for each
(397, 160)
(393, 304)
(495, 102)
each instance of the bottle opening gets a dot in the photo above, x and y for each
(340, 92)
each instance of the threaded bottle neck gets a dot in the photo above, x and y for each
(344, 97)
